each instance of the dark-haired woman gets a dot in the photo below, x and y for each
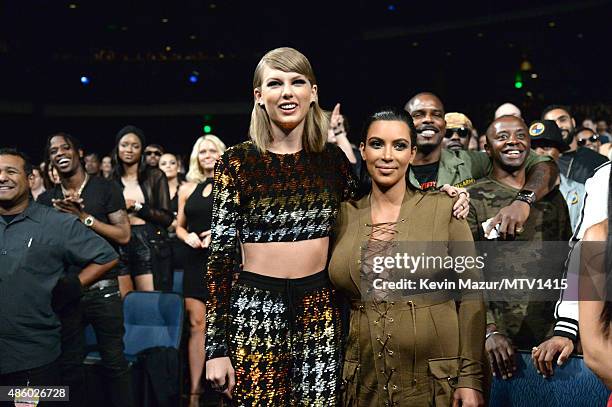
(595, 307)
(147, 200)
(422, 349)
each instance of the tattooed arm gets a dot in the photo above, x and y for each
(118, 230)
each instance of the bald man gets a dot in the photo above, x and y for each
(508, 109)
(434, 166)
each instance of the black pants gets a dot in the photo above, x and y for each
(104, 310)
(47, 375)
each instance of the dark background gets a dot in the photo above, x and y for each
(366, 54)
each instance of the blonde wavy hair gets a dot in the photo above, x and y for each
(316, 122)
(196, 173)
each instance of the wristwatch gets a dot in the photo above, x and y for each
(526, 196)
(88, 221)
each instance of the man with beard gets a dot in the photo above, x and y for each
(434, 166)
(517, 322)
(458, 132)
(153, 153)
(99, 205)
(38, 245)
(578, 163)
(92, 164)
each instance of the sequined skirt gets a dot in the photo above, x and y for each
(285, 341)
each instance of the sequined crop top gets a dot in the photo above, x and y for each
(268, 197)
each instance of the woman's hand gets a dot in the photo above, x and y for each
(129, 204)
(465, 397)
(206, 238)
(220, 374)
(462, 206)
(193, 240)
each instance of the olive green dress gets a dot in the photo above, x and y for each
(412, 351)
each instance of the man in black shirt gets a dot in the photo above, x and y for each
(578, 163)
(99, 204)
(37, 243)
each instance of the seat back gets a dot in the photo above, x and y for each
(573, 384)
(152, 319)
(177, 281)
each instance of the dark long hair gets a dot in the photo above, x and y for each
(606, 313)
(118, 170)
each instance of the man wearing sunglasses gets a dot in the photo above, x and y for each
(153, 153)
(586, 137)
(458, 132)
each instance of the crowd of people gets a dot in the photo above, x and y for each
(275, 235)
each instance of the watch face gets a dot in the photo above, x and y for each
(89, 221)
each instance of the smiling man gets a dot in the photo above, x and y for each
(98, 203)
(37, 245)
(435, 166)
(522, 323)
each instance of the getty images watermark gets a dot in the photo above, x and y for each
(502, 271)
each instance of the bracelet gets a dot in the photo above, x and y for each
(487, 336)
(137, 206)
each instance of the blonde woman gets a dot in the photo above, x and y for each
(193, 228)
(274, 336)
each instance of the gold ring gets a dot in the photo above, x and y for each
(520, 230)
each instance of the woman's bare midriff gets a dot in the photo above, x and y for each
(135, 220)
(286, 259)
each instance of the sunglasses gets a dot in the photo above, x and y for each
(592, 139)
(462, 132)
(157, 153)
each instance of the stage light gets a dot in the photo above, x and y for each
(72, 6)
(391, 7)
(194, 77)
(207, 128)
(85, 80)
(518, 80)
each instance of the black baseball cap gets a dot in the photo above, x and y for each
(546, 132)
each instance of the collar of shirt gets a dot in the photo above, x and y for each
(32, 212)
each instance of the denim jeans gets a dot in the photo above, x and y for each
(104, 310)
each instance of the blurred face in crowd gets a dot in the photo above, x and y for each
(544, 147)
(286, 97)
(106, 165)
(208, 156)
(63, 156)
(456, 139)
(14, 183)
(482, 142)
(152, 156)
(589, 139)
(589, 124)
(92, 164)
(508, 142)
(130, 149)
(427, 112)
(602, 127)
(566, 123)
(387, 152)
(36, 180)
(53, 174)
(169, 165)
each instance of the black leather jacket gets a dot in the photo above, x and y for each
(156, 208)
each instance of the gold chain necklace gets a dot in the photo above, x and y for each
(79, 191)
